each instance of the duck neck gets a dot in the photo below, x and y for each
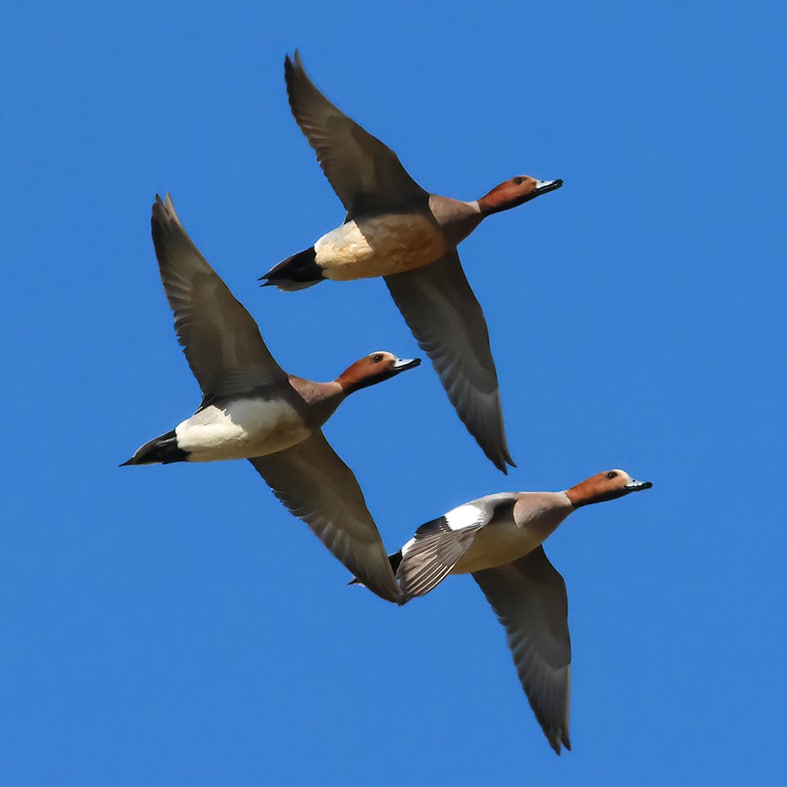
(349, 386)
(587, 493)
(487, 207)
(322, 398)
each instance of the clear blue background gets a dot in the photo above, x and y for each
(174, 624)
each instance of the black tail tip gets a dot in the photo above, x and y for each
(296, 272)
(160, 450)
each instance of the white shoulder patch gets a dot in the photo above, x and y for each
(467, 515)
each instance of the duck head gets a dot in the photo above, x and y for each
(514, 192)
(604, 486)
(373, 369)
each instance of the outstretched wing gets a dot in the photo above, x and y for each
(366, 175)
(529, 597)
(447, 320)
(220, 338)
(317, 487)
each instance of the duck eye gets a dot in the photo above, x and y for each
(612, 474)
(377, 357)
(518, 181)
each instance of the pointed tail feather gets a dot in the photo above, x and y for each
(160, 450)
(294, 273)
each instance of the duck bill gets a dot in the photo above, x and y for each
(403, 364)
(637, 486)
(544, 187)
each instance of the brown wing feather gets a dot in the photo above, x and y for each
(318, 487)
(220, 339)
(366, 175)
(529, 597)
(430, 556)
(448, 322)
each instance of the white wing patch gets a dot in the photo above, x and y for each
(466, 515)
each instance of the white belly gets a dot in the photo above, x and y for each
(240, 430)
(379, 246)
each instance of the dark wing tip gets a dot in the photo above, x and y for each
(163, 211)
(558, 737)
(163, 223)
(159, 210)
(400, 599)
(294, 75)
(293, 66)
(500, 459)
(493, 442)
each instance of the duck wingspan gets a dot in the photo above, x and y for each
(529, 597)
(366, 175)
(447, 320)
(221, 341)
(318, 487)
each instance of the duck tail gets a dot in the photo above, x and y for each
(295, 273)
(160, 450)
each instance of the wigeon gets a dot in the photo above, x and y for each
(397, 230)
(498, 540)
(252, 409)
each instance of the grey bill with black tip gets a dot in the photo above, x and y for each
(529, 597)
(544, 187)
(318, 487)
(448, 323)
(637, 486)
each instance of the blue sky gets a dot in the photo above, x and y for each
(174, 624)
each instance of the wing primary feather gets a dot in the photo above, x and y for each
(317, 486)
(447, 321)
(529, 598)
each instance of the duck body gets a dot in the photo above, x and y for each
(498, 540)
(381, 244)
(511, 535)
(397, 230)
(257, 424)
(252, 409)
(241, 428)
